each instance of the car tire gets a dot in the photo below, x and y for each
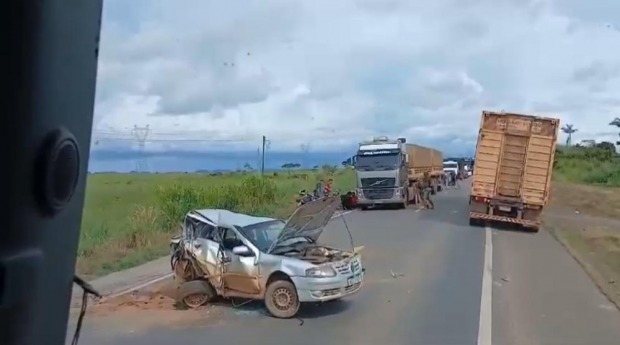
(196, 293)
(281, 299)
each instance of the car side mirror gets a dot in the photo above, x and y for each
(242, 250)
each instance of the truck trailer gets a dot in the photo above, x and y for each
(512, 169)
(422, 160)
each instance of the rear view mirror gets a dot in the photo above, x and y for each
(242, 251)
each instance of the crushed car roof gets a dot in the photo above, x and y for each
(225, 217)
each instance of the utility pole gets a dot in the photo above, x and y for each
(262, 161)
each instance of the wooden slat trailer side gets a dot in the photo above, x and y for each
(512, 169)
(425, 159)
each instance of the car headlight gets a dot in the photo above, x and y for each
(321, 272)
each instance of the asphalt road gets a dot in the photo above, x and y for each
(531, 292)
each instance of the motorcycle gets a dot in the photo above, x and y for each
(304, 197)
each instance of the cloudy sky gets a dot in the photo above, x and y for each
(330, 73)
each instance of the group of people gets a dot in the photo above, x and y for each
(424, 189)
(323, 189)
(451, 179)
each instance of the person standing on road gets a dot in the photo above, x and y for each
(451, 179)
(426, 191)
(319, 189)
(417, 190)
(328, 187)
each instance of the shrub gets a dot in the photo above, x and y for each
(587, 165)
(251, 195)
(144, 225)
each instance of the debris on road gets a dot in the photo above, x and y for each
(506, 279)
(396, 274)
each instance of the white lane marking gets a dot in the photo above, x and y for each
(485, 327)
(169, 275)
(341, 214)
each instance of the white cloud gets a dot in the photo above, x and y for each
(331, 73)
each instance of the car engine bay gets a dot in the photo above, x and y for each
(314, 253)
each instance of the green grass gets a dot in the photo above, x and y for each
(587, 166)
(128, 218)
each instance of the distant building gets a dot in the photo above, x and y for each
(587, 143)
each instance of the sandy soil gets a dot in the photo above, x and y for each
(145, 309)
(586, 220)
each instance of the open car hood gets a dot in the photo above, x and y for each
(308, 220)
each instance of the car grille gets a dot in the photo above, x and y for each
(338, 291)
(374, 194)
(378, 182)
(347, 267)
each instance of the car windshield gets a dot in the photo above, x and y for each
(372, 162)
(450, 165)
(262, 235)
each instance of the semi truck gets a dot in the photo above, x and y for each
(386, 171)
(451, 166)
(381, 173)
(512, 169)
(425, 160)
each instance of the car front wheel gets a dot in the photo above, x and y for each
(281, 299)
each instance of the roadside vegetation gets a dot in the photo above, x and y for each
(584, 214)
(129, 218)
(598, 165)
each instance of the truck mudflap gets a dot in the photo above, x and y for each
(524, 222)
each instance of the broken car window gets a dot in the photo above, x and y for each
(262, 235)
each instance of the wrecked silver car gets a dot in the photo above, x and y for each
(222, 253)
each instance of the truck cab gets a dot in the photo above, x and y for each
(451, 166)
(381, 173)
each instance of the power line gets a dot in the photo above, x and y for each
(155, 140)
(164, 137)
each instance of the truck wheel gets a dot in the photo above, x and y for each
(474, 222)
(534, 228)
(196, 293)
(281, 299)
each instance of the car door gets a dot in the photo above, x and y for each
(240, 272)
(205, 248)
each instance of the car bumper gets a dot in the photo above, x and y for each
(396, 198)
(326, 289)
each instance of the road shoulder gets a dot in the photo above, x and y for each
(586, 221)
(542, 296)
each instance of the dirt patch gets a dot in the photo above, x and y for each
(155, 297)
(150, 307)
(586, 220)
(598, 201)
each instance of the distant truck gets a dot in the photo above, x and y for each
(386, 171)
(425, 160)
(512, 168)
(451, 167)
